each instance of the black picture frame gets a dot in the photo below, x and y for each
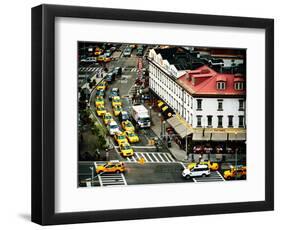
(43, 113)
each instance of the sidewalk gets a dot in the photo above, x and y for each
(175, 150)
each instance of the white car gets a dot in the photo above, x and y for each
(198, 170)
(89, 59)
(113, 128)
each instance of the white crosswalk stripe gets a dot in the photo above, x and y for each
(90, 69)
(151, 157)
(215, 176)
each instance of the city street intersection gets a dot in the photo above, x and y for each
(148, 165)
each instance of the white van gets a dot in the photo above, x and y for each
(197, 171)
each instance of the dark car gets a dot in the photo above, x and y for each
(113, 92)
(110, 77)
(123, 116)
(100, 93)
(118, 71)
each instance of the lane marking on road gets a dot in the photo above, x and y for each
(100, 181)
(194, 180)
(166, 158)
(144, 157)
(134, 159)
(170, 157)
(137, 156)
(183, 165)
(124, 179)
(149, 157)
(128, 159)
(220, 175)
(143, 147)
(160, 157)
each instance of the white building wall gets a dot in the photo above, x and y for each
(210, 107)
(184, 104)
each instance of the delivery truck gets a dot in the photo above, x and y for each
(141, 116)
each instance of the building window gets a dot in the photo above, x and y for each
(221, 85)
(230, 121)
(241, 105)
(241, 121)
(199, 104)
(199, 121)
(219, 121)
(210, 120)
(239, 85)
(220, 106)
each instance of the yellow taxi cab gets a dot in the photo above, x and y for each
(239, 172)
(107, 117)
(101, 110)
(102, 85)
(116, 101)
(100, 58)
(116, 110)
(120, 138)
(111, 167)
(98, 51)
(132, 137)
(128, 126)
(126, 150)
(99, 101)
(106, 59)
(213, 166)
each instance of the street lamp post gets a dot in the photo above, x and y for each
(150, 108)
(164, 128)
(92, 179)
(236, 156)
(161, 131)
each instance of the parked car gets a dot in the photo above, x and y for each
(198, 170)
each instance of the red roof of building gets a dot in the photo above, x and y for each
(206, 83)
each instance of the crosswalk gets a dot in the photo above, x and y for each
(151, 157)
(129, 69)
(214, 177)
(90, 69)
(110, 179)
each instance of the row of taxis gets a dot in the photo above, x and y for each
(122, 138)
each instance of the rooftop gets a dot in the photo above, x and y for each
(181, 58)
(203, 81)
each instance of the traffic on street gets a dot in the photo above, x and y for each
(127, 132)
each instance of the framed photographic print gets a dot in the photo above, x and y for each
(142, 114)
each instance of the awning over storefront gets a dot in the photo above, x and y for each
(199, 136)
(237, 137)
(173, 121)
(219, 137)
(181, 129)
